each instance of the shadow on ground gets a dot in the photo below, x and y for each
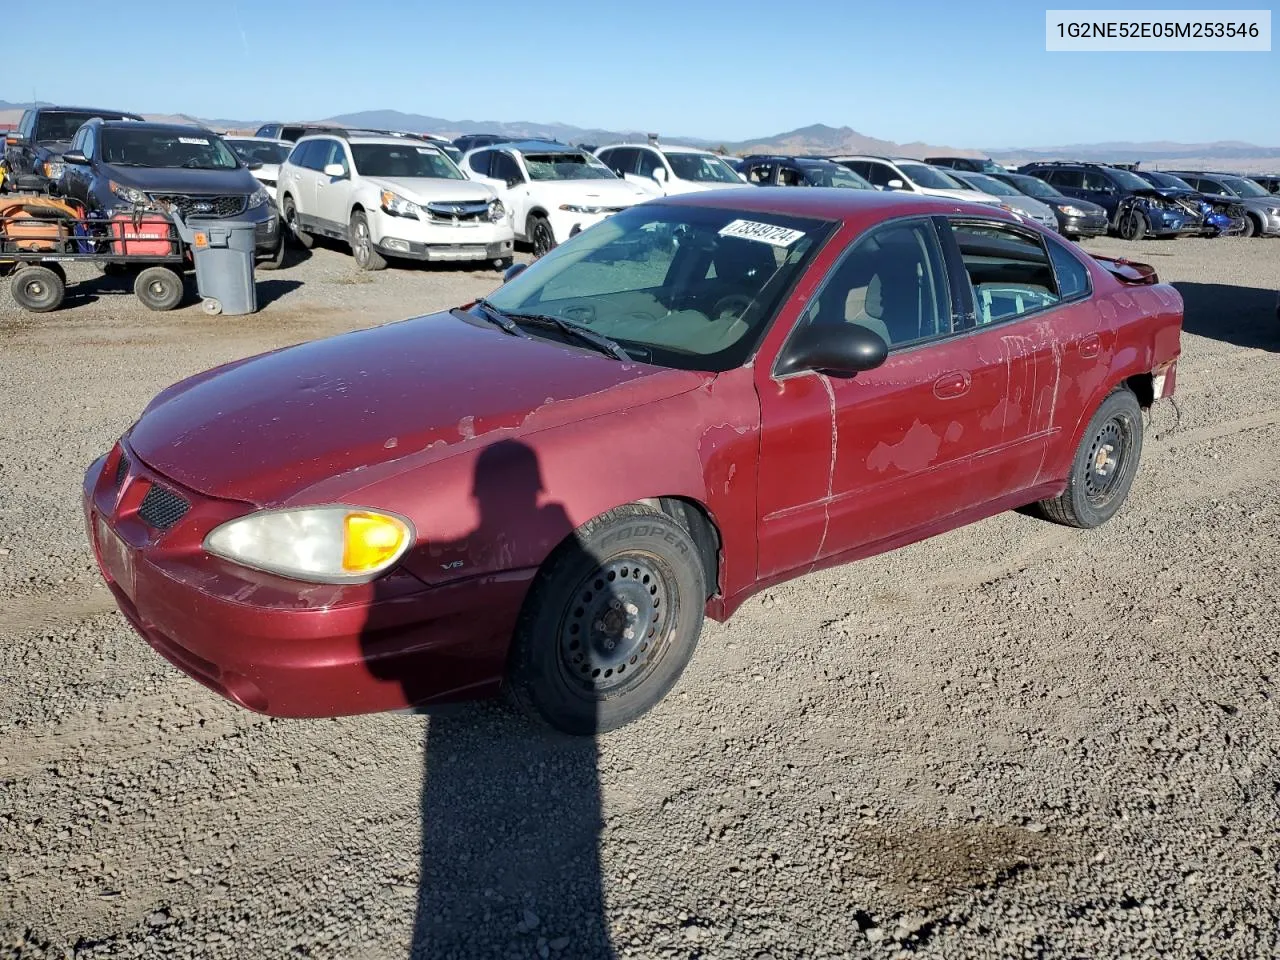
(1243, 316)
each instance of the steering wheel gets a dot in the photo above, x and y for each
(734, 304)
(581, 313)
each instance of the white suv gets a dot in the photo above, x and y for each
(390, 197)
(666, 171)
(551, 190)
(912, 176)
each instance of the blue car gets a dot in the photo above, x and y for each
(1135, 209)
(1222, 216)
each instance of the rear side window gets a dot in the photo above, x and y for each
(1010, 270)
(1072, 277)
(480, 162)
(505, 168)
(1073, 179)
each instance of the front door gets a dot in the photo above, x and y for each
(847, 462)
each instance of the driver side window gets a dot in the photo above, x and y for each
(503, 167)
(891, 281)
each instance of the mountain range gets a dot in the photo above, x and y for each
(816, 138)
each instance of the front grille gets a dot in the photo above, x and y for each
(198, 205)
(162, 508)
(467, 211)
(122, 469)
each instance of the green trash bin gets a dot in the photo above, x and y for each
(223, 251)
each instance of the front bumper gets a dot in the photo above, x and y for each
(286, 648)
(565, 224)
(1167, 224)
(1270, 224)
(267, 233)
(413, 239)
(1087, 226)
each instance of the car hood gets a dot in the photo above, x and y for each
(265, 429)
(972, 196)
(1030, 206)
(180, 180)
(52, 148)
(1090, 208)
(268, 171)
(433, 189)
(615, 193)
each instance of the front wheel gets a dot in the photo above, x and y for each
(367, 258)
(1133, 225)
(1250, 227)
(610, 624)
(277, 258)
(289, 214)
(1104, 466)
(541, 236)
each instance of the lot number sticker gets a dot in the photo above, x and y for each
(763, 232)
(194, 141)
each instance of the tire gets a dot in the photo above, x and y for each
(159, 288)
(1133, 225)
(540, 235)
(367, 258)
(116, 269)
(211, 307)
(277, 259)
(577, 635)
(289, 214)
(1113, 437)
(1251, 228)
(38, 289)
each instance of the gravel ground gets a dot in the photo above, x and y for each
(1014, 740)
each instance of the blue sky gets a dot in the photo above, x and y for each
(965, 74)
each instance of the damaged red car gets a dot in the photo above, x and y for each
(544, 492)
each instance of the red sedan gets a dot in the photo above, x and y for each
(544, 492)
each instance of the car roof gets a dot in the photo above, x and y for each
(536, 146)
(119, 113)
(158, 125)
(788, 158)
(255, 139)
(833, 203)
(664, 147)
(359, 138)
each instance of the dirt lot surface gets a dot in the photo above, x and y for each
(1012, 740)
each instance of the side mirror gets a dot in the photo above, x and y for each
(14, 140)
(513, 271)
(513, 182)
(840, 349)
(895, 184)
(256, 165)
(75, 157)
(659, 174)
(335, 170)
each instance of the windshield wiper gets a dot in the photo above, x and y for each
(597, 340)
(496, 316)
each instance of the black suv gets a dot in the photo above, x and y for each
(971, 164)
(117, 166)
(767, 170)
(1135, 209)
(293, 132)
(470, 141)
(1268, 181)
(33, 152)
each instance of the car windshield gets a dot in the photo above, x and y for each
(1129, 181)
(701, 168)
(1035, 187)
(677, 286)
(193, 149)
(833, 175)
(259, 151)
(1164, 180)
(570, 165)
(923, 176)
(403, 160)
(1243, 187)
(989, 185)
(53, 127)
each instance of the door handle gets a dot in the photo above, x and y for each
(952, 385)
(1090, 346)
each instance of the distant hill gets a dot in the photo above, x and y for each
(1225, 153)
(821, 139)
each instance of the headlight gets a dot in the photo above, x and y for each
(128, 194)
(580, 208)
(330, 544)
(1274, 211)
(53, 169)
(397, 205)
(258, 198)
(1071, 211)
(497, 211)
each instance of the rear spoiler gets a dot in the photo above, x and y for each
(1126, 271)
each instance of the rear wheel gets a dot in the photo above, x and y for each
(159, 288)
(1104, 466)
(38, 289)
(289, 213)
(611, 622)
(367, 257)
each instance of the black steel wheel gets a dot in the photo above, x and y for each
(1104, 466)
(159, 288)
(541, 236)
(38, 289)
(610, 624)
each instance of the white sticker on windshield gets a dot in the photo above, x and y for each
(763, 232)
(425, 149)
(194, 141)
